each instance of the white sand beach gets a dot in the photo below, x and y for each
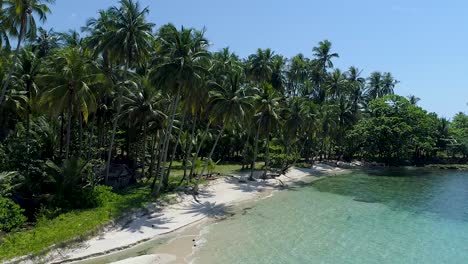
(213, 201)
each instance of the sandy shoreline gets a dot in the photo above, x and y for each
(214, 200)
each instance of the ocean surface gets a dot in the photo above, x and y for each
(382, 216)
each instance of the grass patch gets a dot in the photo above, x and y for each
(77, 224)
(80, 224)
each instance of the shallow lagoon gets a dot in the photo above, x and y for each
(390, 216)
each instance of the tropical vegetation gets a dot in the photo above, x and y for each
(125, 103)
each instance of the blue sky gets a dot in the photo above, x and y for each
(423, 43)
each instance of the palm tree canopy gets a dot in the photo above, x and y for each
(260, 65)
(228, 101)
(124, 32)
(183, 60)
(141, 104)
(72, 76)
(324, 55)
(267, 103)
(19, 16)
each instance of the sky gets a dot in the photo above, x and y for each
(423, 43)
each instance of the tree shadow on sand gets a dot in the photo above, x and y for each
(208, 209)
(156, 220)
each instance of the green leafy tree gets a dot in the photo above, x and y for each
(18, 20)
(395, 131)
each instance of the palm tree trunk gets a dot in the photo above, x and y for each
(158, 166)
(195, 157)
(70, 113)
(154, 152)
(15, 59)
(267, 150)
(143, 163)
(114, 127)
(244, 152)
(205, 166)
(252, 166)
(189, 150)
(300, 153)
(62, 117)
(80, 136)
(174, 150)
(167, 139)
(288, 152)
(90, 139)
(28, 126)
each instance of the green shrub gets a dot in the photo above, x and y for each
(11, 215)
(100, 196)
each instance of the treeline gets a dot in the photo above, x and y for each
(76, 104)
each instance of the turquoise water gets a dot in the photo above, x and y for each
(408, 216)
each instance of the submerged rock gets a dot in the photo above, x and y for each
(365, 200)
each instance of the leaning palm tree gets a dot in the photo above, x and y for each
(228, 104)
(19, 21)
(123, 32)
(140, 107)
(181, 67)
(70, 76)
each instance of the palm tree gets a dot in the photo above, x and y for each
(260, 65)
(324, 55)
(13, 107)
(4, 39)
(228, 104)
(141, 107)
(19, 21)
(388, 84)
(413, 99)
(356, 89)
(294, 115)
(380, 84)
(45, 42)
(374, 86)
(71, 38)
(26, 74)
(336, 84)
(225, 62)
(267, 107)
(278, 74)
(323, 60)
(124, 33)
(298, 74)
(181, 67)
(71, 75)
